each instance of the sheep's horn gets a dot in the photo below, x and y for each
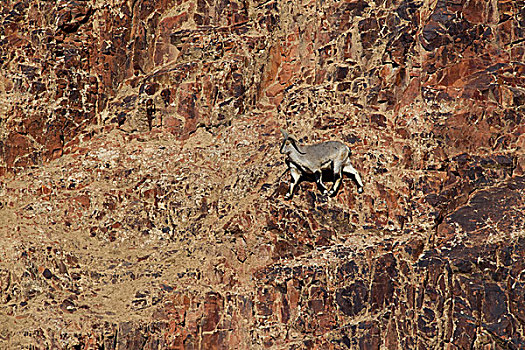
(294, 143)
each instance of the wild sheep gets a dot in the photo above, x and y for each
(313, 159)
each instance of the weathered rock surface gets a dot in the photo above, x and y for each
(141, 203)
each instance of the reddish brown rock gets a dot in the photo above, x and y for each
(141, 203)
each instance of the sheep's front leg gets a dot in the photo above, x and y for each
(319, 179)
(296, 175)
(351, 170)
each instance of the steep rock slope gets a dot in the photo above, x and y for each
(141, 197)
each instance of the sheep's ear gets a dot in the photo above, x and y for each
(285, 134)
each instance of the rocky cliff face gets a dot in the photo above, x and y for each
(141, 203)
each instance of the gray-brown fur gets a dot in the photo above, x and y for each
(313, 159)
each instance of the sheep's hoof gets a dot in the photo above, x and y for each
(360, 190)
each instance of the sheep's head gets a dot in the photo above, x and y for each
(289, 143)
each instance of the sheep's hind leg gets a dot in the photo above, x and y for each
(338, 175)
(296, 175)
(351, 170)
(319, 179)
